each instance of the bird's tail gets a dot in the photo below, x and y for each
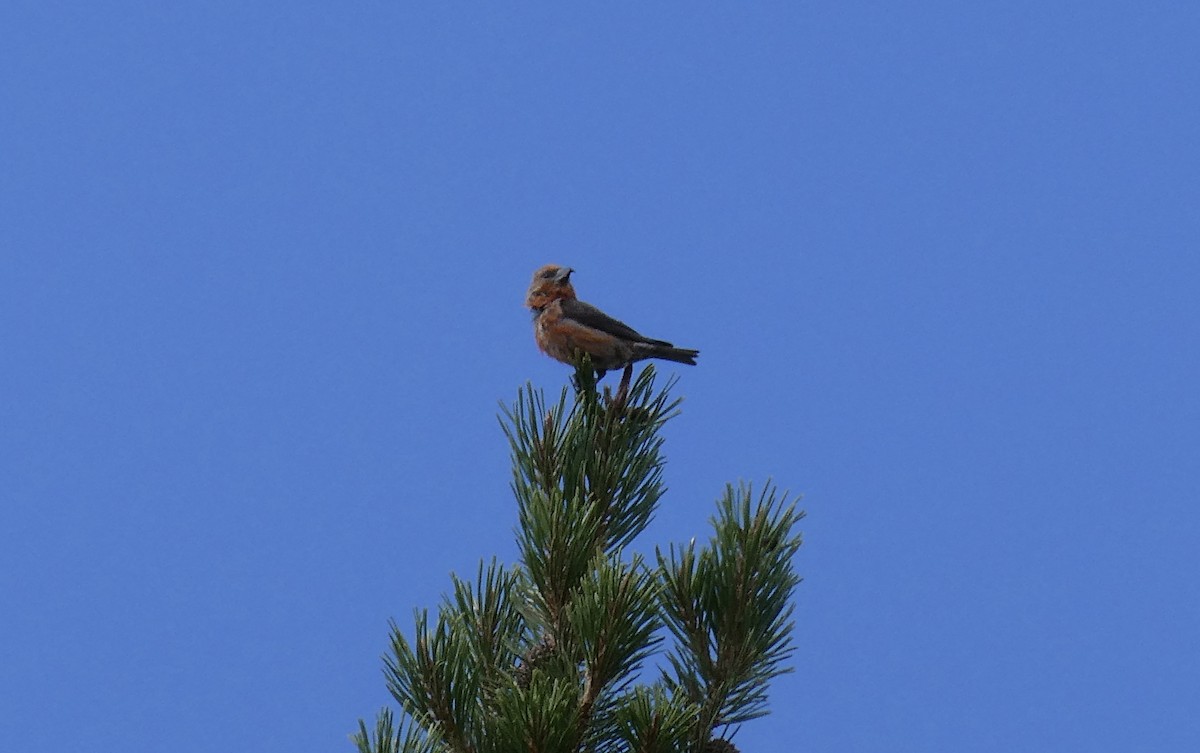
(679, 355)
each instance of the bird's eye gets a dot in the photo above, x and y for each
(548, 274)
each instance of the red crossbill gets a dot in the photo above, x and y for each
(566, 327)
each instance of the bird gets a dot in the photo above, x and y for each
(567, 328)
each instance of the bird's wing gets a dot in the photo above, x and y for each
(590, 316)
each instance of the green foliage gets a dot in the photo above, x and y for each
(613, 617)
(545, 716)
(410, 738)
(651, 720)
(544, 656)
(728, 606)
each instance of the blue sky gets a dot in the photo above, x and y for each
(261, 268)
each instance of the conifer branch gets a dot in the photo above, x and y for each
(729, 608)
(543, 656)
(409, 738)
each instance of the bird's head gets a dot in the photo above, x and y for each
(550, 283)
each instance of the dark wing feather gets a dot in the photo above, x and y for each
(590, 316)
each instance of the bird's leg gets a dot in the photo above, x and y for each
(623, 390)
(585, 378)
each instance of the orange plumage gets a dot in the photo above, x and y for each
(566, 327)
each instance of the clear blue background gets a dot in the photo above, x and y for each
(261, 272)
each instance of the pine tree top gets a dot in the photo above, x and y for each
(548, 654)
